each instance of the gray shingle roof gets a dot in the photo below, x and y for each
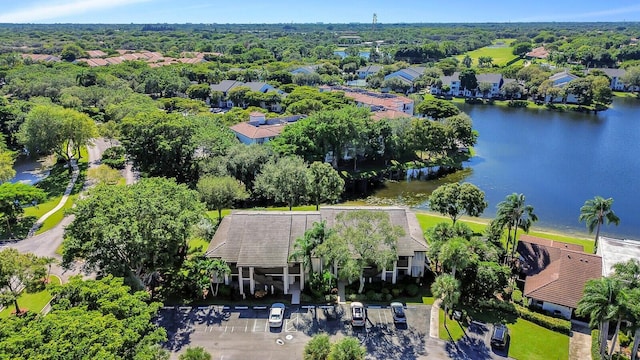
(611, 72)
(266, 238)
(489, 78)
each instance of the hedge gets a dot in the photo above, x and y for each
(556, 324)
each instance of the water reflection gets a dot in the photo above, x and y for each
(557, 159)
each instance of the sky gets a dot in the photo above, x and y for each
(313, 11)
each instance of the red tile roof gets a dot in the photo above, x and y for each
(258, 132)
(96, 53)
(555, 273)
(539, 52)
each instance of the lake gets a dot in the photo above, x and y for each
(556, 159)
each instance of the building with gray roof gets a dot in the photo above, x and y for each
(257, 246)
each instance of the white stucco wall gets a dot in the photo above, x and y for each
(552, 308)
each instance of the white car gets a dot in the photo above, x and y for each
(276, 314)
(358, 314)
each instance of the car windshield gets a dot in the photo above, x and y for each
(357, 313)
(275, 316)
(398, 311)
(498, 333)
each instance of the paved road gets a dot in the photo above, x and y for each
(45, 244)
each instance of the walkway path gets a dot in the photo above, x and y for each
(65, 197)
(47, 243)
(580, 341)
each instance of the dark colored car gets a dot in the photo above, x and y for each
(500, 336)
(397, 310)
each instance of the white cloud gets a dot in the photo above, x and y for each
(47, 11)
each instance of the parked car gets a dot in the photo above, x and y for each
(500, 336)
(397, 310)
(358, 314)
(276, 314)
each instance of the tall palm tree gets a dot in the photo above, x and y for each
(305, 245)
(515, 214)
(446, 288)
(455, 254)
(596, 302)
(595, 212)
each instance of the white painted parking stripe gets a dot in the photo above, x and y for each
(308, 307)
(185, 308)
(241, 307)
(259, 308)
(374, 307)
(226, 307)
(291, 325)
(203, 307)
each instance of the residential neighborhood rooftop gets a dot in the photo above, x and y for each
(556, 272)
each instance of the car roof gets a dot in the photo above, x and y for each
(396, 304)
(355, 303)
(277, 305)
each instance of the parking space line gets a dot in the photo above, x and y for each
(293, 321)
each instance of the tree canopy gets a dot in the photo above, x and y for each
(137, 231)
(457, 199)
(361, 238)
(98, 319)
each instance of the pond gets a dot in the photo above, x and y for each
(29, 170)
(557, 159)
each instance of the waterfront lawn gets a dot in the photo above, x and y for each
(33, 302)
(478, 225)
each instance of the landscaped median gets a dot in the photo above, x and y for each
(33, 302)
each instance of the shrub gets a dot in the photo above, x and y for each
(624, 339)
(516, 296)
(595, 345)
(352, 297)
(388, 297)
(385, 291)
(114, 157)
(224, 291)
(373, 296)
(396, 292)
(412, 289)
(518, 103)
(556, 324)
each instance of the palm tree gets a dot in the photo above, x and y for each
(596, 302)
(634, 311)
(305, 245)
(446, 288)
(595, 212)
(455, 254)
(515, 214)
(218, 269)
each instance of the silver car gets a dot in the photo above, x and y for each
(358, 314)
(276, 314)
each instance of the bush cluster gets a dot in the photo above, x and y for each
(552, 323)
(114, 157)
(518, 103)
(556, 324)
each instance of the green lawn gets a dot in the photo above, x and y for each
(197, 245)
(34, 302)
(533, 342)
(624, 94)
(56, 217)
(455, 328)
(528, 340)
(428, 220)
(501, 55)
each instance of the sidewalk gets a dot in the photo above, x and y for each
(65, 197)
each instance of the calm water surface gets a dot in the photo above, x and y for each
(558, 160)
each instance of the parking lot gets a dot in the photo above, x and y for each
(244, 332)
